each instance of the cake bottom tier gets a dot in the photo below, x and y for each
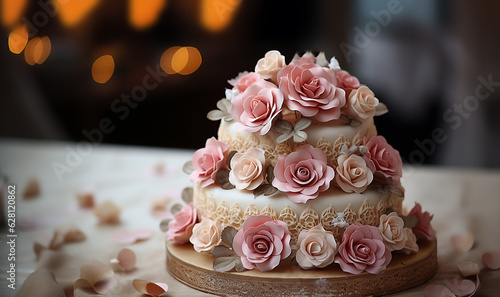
(405, 271)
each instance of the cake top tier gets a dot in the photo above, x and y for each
(298, 128)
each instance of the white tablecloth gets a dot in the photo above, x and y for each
(460, 199)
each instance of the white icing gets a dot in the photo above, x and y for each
(331, 131)
(334, 197)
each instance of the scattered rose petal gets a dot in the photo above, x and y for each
(108, 213)
(159, 206)
(461, 287)
(150, 288)
(85, 197)
(126, 258)
(438, 291)
(38, 249)
(468, 268)
(32, 189)
(129, 237)
(492, 259)
(97, 275)
(463, 242)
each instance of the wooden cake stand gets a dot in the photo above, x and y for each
(405, 271)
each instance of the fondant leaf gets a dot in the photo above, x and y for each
(223, 111)
(283, 137)
(354, 123)
(225, 264)
(283, 126)
(302, 124)
(229, 157)
(381, 109)
(270, 174)
(228, 235)
(175, 208)
(222, 251)
(345, 119)
(188, 168)
(164, 225)
(187, 195)
(410, 221)
(227, 186)
(321, 60)
(299, 136)
(222, 176)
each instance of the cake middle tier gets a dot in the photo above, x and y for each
(330, 209)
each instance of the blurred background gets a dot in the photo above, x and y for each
(146, 72)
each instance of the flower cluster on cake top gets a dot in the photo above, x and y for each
(287, 99)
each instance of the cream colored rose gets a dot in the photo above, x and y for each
(391, 226)
(269, 66)
(361, 103)
(206, 235)
(247, 170)
(411, 242)
(316, 247)
(352, 174)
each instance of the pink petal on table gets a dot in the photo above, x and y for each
(463, 242)
(438, 291)
(98, 275)
(124, 237)
(492, 259)
(85, 197)
(150, 288)
(126, 259)
(468, 268)
(108, 213)
(142, 234)
(461, 287)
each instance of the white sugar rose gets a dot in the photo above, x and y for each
(206, 235)
(391, 227)
(352, 174)
(269, 66)
(411, 242)
(247, 170)
(316, 247)
(361, 103)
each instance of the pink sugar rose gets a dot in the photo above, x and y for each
(206, 235)
(411, 245)
(383, 160)
(346, 81)
(269, 66)
(353, 176)
(362, 249)
(262, 243)
(255, 109)
(303, 174)
(247, 170)
(361, 103)
(244, 80)
(208, 160)
(181, 227)
(392, 229)
(424, 228)
(311, 90)
(316, 248)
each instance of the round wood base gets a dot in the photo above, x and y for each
(405, 271)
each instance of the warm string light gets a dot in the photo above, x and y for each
(182, 60)
(103, 68)
(37, 50)
(142, 14)
(12, 11)
(18, 39)
(217, 14)
(72, 12)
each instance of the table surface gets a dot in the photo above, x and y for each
(460, 199)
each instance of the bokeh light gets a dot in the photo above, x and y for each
(12, 10)
(193, 60)
(29, 51)
(142, 14)
(217, 14)
(42, 50)
(103, 68)
(18, 39)
(182, 60)
(166, 59)
(72, 12)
